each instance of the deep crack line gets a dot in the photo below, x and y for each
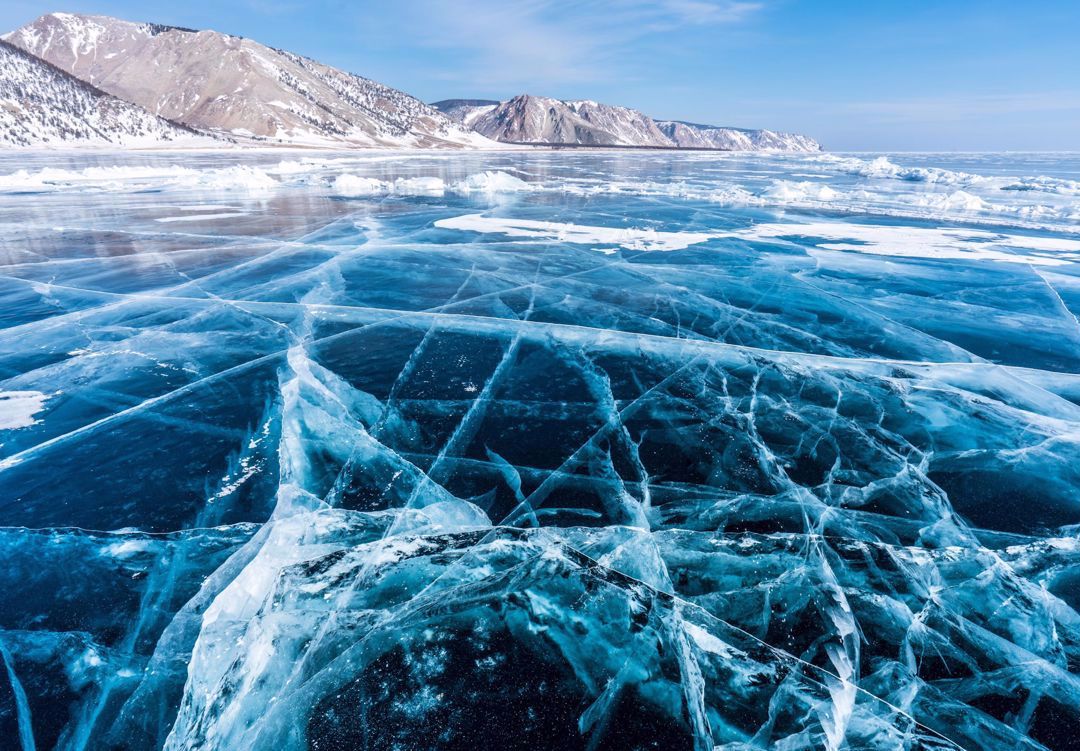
(686, 348)
(22, 704)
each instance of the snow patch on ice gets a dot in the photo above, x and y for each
(923, 242)
(631, 239)
(237, 177)
(892, 240)
(200, 217)
(18, 408)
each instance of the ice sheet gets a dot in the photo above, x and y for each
(539, 450)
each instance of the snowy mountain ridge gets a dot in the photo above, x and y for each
(41, 105)
(465, 111)
(223, 83)
(169, 77)
(534, 119)
(694, 135)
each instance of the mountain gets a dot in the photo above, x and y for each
(465, 111)
(218, 82)
(532, 119)
(535, 119)
(228, 85)
(41, 105)
(691, 135)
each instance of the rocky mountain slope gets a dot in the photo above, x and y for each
(465, 111)
(532, 119)
(41, 105)
(535, 119)
(219, 82)
(692, 135)
(171, 78)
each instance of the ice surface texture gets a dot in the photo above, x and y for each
(539, 451)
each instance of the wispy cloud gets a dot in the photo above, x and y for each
(552, 42)
(962, 106)
(706, 12)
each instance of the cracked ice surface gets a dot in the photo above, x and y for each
(378, 451)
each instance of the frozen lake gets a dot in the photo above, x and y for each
(602, 450)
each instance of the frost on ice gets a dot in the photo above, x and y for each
(388, 457)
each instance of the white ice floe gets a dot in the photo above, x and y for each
(789, 191)
(355, 186)
(958, 200)
(630, 238)
(989, 205)
(18, 408)
(883, 168)
(482, 183)
(420, 186)
(922, 242)
(491, 182)
(876, 239)
(1045, 184)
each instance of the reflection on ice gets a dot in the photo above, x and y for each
(388, 456)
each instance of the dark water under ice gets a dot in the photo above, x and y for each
(567, 451)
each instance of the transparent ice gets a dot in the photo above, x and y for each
(527, 451)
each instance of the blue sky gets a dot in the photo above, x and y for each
(868, 75)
